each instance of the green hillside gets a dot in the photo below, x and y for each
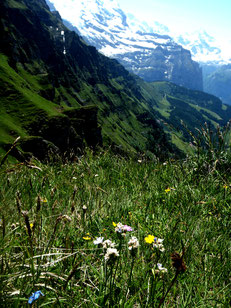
(174, 105)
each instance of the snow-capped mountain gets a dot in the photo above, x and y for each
(204, 48)
(142, 49)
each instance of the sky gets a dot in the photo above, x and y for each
(213, 16)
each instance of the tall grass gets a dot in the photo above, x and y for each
(52, 213)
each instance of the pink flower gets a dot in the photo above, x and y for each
(127, 228)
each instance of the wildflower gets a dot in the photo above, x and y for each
(149, 239)
(167, 190)
(139, 161)
(158, 244)
(87, 237)
(96, 175)
(127, 228)
(108, 244)
(31, 225)
(44, 200)
(225, 186)
(133, 243)
(35, 296)
(114, 224)
(84, 209)
(98, 241)
(111, 254)
(119, 227)
(161, 268)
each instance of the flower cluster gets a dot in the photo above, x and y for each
(157, 242)
(98, 241)
(108, 244)
(133, 243)
(105, 244)
(120, 228)
(111, 254)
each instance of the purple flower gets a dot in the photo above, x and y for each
(127, 228)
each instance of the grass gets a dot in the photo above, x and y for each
(51, 213)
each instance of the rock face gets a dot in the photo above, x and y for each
(149, 55)
(173, 64)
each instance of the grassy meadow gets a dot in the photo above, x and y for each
(112, 231)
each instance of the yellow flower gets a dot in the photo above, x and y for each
(149, 239)
(114, 224)
(31, 225)
(167, 190)
(225, 186)
(87, 238)
(44, 200)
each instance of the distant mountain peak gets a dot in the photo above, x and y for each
(145, 50)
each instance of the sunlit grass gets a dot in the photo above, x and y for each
(51, 216)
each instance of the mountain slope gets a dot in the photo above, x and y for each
(217, 81)
(178, 107)
(47, 70)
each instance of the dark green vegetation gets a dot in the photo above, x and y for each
(66, 101)
(218, 82)
(50, 215)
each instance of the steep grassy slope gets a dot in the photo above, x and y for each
(47, 69)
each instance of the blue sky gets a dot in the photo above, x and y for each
(213, 16)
